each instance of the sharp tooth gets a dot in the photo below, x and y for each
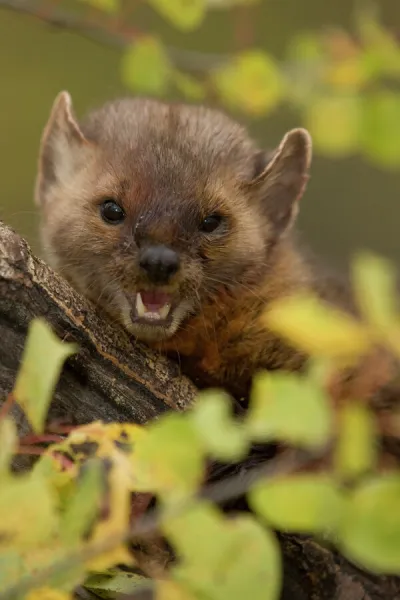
(164, 311)
(140, 307)
(152, 316)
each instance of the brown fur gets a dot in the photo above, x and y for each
(169, 166)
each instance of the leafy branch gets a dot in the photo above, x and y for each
(344, 86)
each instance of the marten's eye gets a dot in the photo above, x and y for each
(111, 212)
(211, 223)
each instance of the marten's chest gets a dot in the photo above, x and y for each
(226, 344)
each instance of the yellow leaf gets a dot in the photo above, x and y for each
(43, 357)
(172, 590)
(334, 123)
(250, 82)
(116, 522)
(348, 74)
(317, 328)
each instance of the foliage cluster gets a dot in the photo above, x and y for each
(344, 86)
(70, 520)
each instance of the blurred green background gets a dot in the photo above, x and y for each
(351, 203)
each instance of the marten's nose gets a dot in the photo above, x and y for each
(159, 262)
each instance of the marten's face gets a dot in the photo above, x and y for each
(151, 210)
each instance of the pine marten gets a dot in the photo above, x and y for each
(174, 221)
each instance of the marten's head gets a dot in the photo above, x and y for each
(149, 209)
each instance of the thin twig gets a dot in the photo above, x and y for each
(6, 406)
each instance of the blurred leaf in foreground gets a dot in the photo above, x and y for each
(318, 328)
(42, 360)
(27, 512)
(370, 535)
(223, 437)
(356, 447)
(375, 287)
(286, 407)
(168, 460)
(222, 558)
(301, 503)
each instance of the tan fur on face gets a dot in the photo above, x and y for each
(170, 166)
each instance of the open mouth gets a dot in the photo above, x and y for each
(152, 307)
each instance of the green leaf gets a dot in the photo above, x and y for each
(381, 52)
(26, 500)
(190, 87)
(42, 361)
(374, 281)
(356, 448)
(84, 504)
(334, 123)
(8, 444)
(317, 328)
(224, 438)
(168, 460)
(109, 6)
(183, 14)
(146, 67)
(15, 566)
(370, 535)
(251, 82)
(305, 47)
(301, 503)
(380, 128)
(118, 582)
(287, 407)
(223, 558)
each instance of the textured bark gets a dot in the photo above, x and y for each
(115, 379)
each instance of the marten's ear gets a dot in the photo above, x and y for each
(63, 148)
(281, 184)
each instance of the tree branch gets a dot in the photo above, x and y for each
(60, 19)
(114, 379)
